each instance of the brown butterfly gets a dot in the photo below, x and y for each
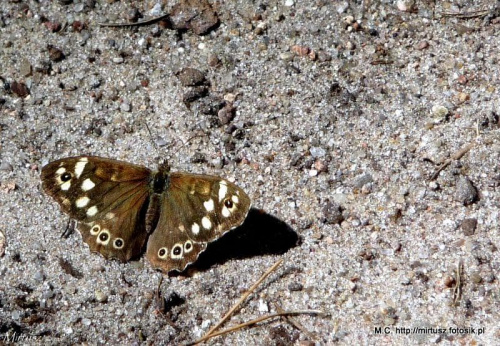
(119, 206)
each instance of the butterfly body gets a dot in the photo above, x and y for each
(120, 206)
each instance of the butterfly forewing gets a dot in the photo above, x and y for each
(107, 197)
(196, 209)
(116, 204)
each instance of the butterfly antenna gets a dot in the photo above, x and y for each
(70, 228)
(191, 138)
(152, 139)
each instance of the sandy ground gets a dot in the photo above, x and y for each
(334, 116)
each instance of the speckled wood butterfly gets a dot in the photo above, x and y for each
(119, 206)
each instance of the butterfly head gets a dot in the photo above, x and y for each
(163, 165)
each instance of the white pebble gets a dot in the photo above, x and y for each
(156, 10)
(263, 307)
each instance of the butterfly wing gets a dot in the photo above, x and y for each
(107, 197)
(195, 210)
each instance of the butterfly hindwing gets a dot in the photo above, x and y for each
(118, 205)
(195, 210)
(107, 198)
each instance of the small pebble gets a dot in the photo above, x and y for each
(317, 152)
(289, 3)
(3, 243)
(469, 226)
(53, 26)
(320, 166)
(439, 112)
(191, 77)
(449, 281)
(55, 54)
(263, 307)
(79, 7)
(332, 213)
(20, 89)
(466, 193)
(362, 180)
(476, 278)
(5, 166)
(39, 276)
(342, 7)
(125, 107)
(101, 297)
(463, 97)
(286, 56)
(295, 286)
(423, 45)
(226, 114)
(348, 19)
(300, 50)
(161, 142)
(156, 10)
(404, 5)
(16, 315)
(25, 69)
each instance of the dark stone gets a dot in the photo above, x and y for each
(196, 15)
(191, 77)
(466, 193)
(469, 226)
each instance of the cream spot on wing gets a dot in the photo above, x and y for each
(195, 228)
(225, 212)
(103, 237)
(82, 202)
(163, 253)
(114, 177)
(207, 224)
(66, 202)
(188, 246)
(87, 185)
(66, 185)
(61, 170)
(79, 167)
(209, 205)
(176, 252)
(110, 215)
(92, 211)
(222, 189)
(118, 243)
(238, 193)
(181, 228)
(235, 199)
(95, 230)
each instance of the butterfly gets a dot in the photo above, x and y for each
(120, 206)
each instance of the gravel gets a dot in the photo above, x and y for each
(331, 115)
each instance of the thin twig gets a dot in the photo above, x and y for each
(457, 290)
(466, 15)
(144, 22)
(252, 322)
(457, 156)
(243, 297)
(296, 324)
(381, 62)
(70, 227)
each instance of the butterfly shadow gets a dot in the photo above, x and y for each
(260, 234)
